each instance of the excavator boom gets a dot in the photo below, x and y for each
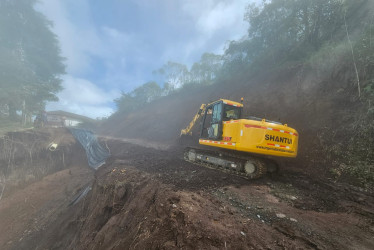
(187, 130)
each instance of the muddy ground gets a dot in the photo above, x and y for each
(147, 197)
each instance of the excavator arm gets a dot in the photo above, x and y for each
(187, 130)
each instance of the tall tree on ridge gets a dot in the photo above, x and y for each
(30, 60)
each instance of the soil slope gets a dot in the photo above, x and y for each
(147, 198)
(325, 111)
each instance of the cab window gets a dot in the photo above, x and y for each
(231, 113)
(217, 113)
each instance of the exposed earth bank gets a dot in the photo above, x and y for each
(149, 198)
(336, 128)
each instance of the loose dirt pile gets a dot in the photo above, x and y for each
(146, 198)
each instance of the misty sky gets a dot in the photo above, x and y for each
(113, 46)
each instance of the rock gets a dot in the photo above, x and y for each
(281, 215)
(293, 198)
(293, 220)
(258, 216)
(242, 233)
(174, 206)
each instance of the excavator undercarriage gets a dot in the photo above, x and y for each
(248, 167)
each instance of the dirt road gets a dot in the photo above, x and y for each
(149, 198)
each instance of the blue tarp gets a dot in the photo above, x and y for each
(96, 155)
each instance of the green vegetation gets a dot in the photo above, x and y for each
(140, 96)
(355, 155)
(30, 61)
(331, 40)
(328, 36)
(177, 78)
(7, 125)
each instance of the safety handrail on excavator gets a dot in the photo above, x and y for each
(188, 129)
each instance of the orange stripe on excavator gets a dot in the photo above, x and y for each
(218, 142)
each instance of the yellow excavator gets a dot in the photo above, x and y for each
(243, 146)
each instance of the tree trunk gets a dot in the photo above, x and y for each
(23, 121)
(12, 112)
(306, 22)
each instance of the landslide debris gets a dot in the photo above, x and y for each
(145, 198)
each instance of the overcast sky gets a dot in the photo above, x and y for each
(113, 46)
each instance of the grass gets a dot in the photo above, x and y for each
(9, 126)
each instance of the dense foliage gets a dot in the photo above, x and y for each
(30, 61)
(320, 34)
(326, 46)
(138, 97)
(291, 31)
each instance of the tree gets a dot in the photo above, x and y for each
(30, 60)
(207, 69)
(126, 103)
(137, 98)
(147, 92)
(291, 31)
(176, 74)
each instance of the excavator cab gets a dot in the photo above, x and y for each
(215, 114)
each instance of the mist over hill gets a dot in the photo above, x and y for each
(305, 63)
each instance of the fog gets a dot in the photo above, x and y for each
(112, 47)
(274, 99)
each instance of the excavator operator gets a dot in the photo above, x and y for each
(231, 113)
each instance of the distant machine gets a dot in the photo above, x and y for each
(243, 146)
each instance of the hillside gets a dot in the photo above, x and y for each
(307, 64)
(326, 112)
(148, 197)
(313, 72)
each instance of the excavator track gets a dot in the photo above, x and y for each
(247, 167)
